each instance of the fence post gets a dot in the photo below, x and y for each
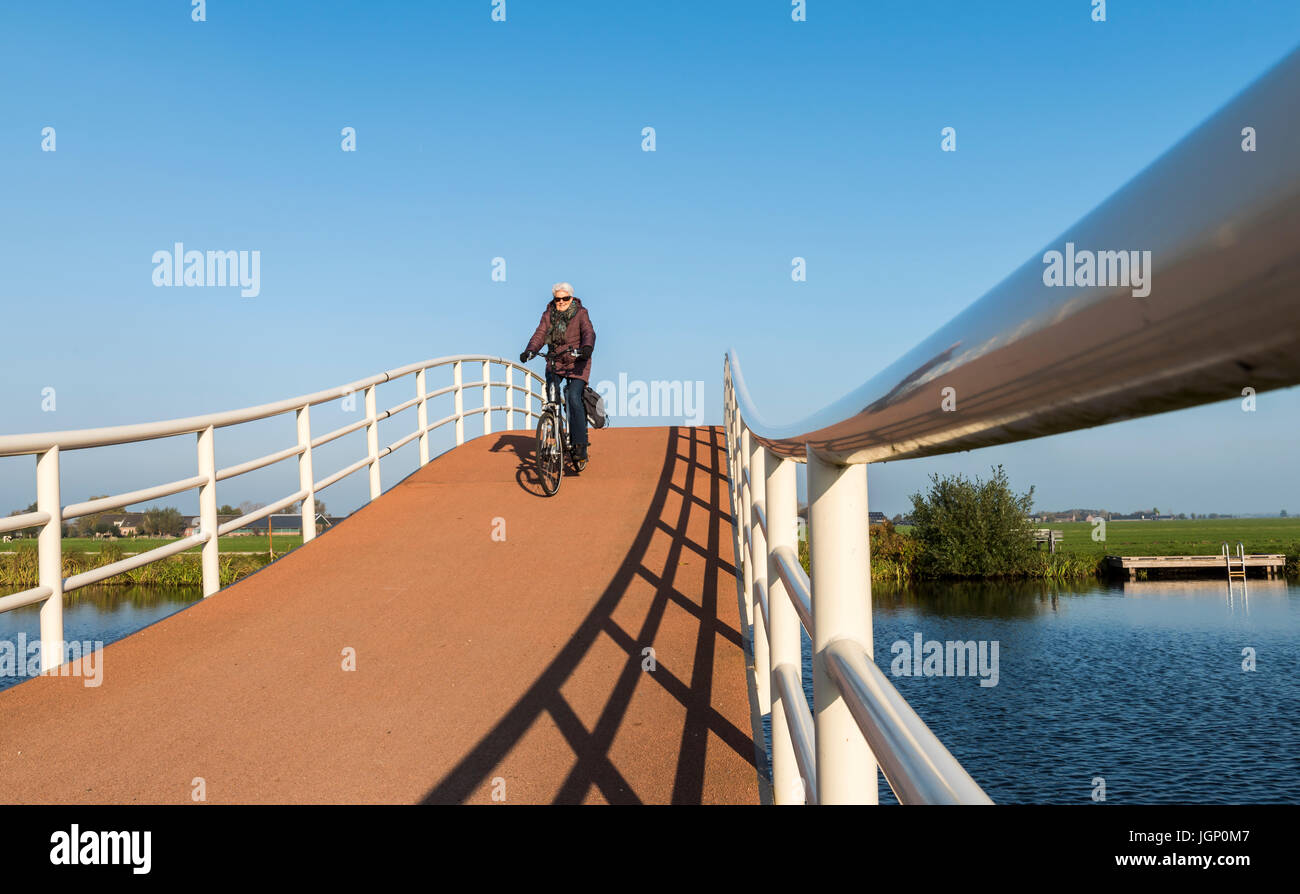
(487, 398)
(841, 594)
(372, 441)
(460, 402)
(528, 400)
(784, 640)
(746, 512)
(758, 559)
(422, 415)
(510, 397)
(208, 523)
(306, 481)
(49, 560)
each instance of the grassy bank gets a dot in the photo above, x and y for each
(894, 553)
(129, 545)
(20, 570)
(1202, 537)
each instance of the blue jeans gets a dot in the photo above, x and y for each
(572, 400)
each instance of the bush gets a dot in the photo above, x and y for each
(974, 528)
(893, 555)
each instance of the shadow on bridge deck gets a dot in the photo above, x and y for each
(482, 665)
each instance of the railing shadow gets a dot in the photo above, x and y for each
(593, 766)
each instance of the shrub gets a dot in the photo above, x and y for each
(974, 528)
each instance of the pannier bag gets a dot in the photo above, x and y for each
(595, 405)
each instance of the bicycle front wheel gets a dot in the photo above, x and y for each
(550, 466)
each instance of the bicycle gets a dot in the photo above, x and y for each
(553, 436)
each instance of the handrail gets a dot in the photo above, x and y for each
(47, 447)
(37, 442)
(1216, 312)
(916, 764)
(1029, 359)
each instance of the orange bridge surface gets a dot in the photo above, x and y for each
(482, 665)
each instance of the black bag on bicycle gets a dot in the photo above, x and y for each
(595, 406)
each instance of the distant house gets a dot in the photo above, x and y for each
(290, 524)
(194, 523)
(876, 518)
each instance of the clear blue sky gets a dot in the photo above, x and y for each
(522, 140)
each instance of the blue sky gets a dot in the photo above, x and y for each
(522, 139)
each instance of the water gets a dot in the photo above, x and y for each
(97, 614)
(1140, 684)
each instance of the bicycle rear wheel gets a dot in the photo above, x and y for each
(550, 465)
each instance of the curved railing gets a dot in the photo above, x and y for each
(51, 512)
(1221, 320)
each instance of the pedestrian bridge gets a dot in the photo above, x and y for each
(514, 665)
(518, 667)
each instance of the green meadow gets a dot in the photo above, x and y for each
(1199, 537)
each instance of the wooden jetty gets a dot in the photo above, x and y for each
(1272, 565)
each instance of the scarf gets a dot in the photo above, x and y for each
(560, 323)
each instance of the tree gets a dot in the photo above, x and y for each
(249, 506)
(227, 509)
(87, 523)
(1283, 513)
(973, 528)
(167, 522)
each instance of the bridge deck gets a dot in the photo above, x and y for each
(476, 659)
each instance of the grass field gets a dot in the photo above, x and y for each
(1202, 537)
(249, 544)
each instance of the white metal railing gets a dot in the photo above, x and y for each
(862, 719)
(1026, 360)
(51, 513)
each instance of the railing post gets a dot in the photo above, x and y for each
(487, 398)
(841, 596)
(211, 559)
(422, 415)
(49, 560)
(372, 441)
(780, 504)
(746, 512)
(528, 400)
(306, 481)
(510, 398)
(758, 559)
(460, 402)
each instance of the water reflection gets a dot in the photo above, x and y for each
(977, 598)
(95, 614)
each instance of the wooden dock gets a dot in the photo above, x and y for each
(1272, 565)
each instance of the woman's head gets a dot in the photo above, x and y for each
(563, 294)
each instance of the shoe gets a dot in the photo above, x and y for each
(580, 453)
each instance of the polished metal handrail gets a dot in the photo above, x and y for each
(1028, 359)
(50, 514)
(1220, 320)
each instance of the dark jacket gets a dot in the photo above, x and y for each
(576, 334)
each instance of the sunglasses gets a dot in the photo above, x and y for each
(564, 298)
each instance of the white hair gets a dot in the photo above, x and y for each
(562, 287)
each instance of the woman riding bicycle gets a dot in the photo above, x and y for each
(566, 327)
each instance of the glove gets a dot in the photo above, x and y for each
(525, 356)
(584, 352)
